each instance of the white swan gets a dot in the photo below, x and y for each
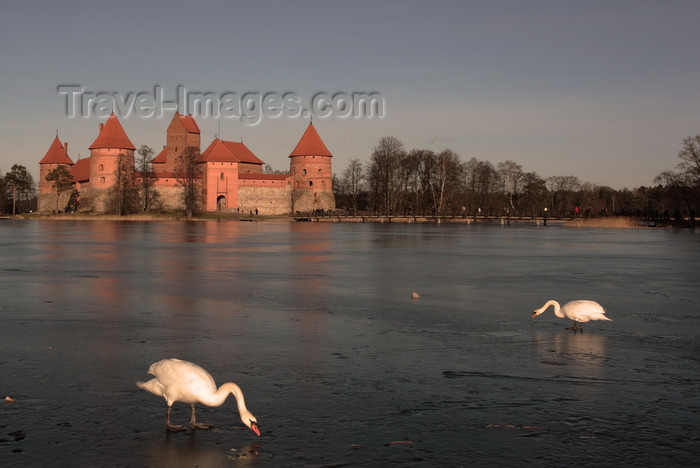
(186, 382)
(578, 311)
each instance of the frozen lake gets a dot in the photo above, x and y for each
(340, 366)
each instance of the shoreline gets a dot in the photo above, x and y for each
(611, 222)
(151, 217)
(617, 222)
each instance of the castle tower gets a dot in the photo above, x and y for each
(310, 167)
(221, 164)
(111, 147)
(183, 132)
(57, 155)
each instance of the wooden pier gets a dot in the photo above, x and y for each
(409, 219)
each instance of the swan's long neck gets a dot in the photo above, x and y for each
(236, 391)
(217, 398)
(556, 306)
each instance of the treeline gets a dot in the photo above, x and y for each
(423, 182)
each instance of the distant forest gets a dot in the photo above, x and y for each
(422, 182)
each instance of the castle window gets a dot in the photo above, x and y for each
(304, 172)
(102, 167)
(102, 180)
(320, 171)
(221, 176)
(311, 183)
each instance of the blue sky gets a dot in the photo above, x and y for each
(603, 90)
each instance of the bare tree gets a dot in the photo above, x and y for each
(534, 193)
(189, 179)
(680, 188)
(147, 178)
(382, 173)
(425, 166)
(440, 178)
(353, 182)
(480, 178)
(562, 189)
(123, 196)
(448, 176)
(690, 159)
(509, 174)
(403, 184)
(412, 180)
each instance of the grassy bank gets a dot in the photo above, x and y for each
(609, 222)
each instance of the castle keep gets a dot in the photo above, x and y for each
(230, 175)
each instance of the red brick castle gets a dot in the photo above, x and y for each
(231, 176)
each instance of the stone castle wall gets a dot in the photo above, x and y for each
(267, 200)
(169, 198)
(93, 200)
(306, 201)
(46, 202)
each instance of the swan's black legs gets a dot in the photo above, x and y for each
(576, 327)
(172, 427)
(194, 424)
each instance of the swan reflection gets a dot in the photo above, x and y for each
(172, 451)
(585, 352)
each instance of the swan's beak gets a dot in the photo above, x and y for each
(254, 427)
(534, 314)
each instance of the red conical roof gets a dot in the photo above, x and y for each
(310, 144)
(56, 154)
(112, 135)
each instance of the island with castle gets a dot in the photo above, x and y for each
(229, 175)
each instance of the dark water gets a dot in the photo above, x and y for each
(340, 366)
